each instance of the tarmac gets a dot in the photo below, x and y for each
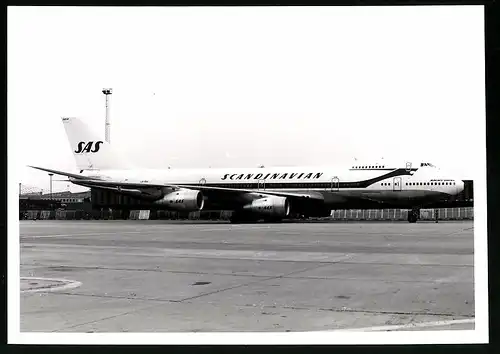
(161, 276)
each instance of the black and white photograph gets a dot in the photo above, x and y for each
(247, 175)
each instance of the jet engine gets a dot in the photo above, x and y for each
(184, 199)
(271, 206)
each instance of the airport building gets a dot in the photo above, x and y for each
(31, 205)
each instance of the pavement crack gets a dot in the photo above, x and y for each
(104, 318)
(255, 282)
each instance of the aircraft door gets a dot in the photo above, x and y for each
(334, 185)
(408, 166)
(396, 183)
(203, 181)
(261, 184)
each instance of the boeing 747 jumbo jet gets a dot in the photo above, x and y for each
(258, 193)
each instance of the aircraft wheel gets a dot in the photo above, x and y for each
(413, 216)
(240, 218)
(273, 220)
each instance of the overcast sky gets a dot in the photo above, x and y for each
(237, 87)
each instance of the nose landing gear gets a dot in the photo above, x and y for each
(413, 215)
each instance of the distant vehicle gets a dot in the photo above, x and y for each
(269, 193)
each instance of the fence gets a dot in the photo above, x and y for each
(346, 215)
(402, 214)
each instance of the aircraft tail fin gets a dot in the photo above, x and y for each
(90, 150)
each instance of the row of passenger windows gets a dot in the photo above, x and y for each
(424, 184)
(430, 183)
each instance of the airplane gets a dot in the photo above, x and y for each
(253, 194)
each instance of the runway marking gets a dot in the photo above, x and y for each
(67, 284)
(88, 234)
(277, 256)
(237, 227)
(406, 326)
(230, 228)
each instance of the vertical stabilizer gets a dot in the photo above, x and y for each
(90, 150)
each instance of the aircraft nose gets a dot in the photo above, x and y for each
(459, 185)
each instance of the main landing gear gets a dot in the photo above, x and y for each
(249, 218)
(413, 215)
(242, 218)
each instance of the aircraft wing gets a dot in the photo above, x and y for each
(264, 192)
(62, 173)
(123, 186)
(227, 191)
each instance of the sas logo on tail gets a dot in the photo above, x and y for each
(88, 147)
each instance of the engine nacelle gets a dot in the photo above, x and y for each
(272, 206)
(184, 199)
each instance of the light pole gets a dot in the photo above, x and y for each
(107, 134)
(50, 175)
